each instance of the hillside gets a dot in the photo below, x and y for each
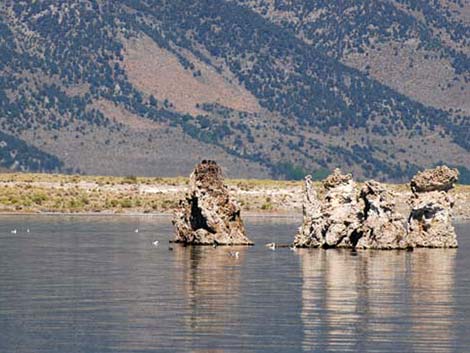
(268, 88)
(419, 48)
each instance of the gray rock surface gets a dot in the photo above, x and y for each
(310, 232)
(370, 220)
(208, 214)
(340, 210)
(382, 226)
(331, 222)
(430, 220)
(440, 178)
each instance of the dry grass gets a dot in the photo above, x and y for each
(100, 180)
(75, 199)
(86, 194)
(39, 193)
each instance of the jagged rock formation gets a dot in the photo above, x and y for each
(370, 220)
(333, 222)
(430, 221)
(382, 226)
(440, 178)
(340, 210)
(310, 232)
(208, 215)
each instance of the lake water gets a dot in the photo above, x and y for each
(92, 284)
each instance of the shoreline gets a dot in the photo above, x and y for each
(73, 195)
(147, 215)
(275, 215)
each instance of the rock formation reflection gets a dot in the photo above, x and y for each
(329, 298)
(382, 296)
(359, 300)
(211, 284)
(432, 281)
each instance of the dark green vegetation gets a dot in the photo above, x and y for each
(317, 112)
(341, 27)
(419, 48)
(16, 153)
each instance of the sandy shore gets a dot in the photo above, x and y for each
(88, 195)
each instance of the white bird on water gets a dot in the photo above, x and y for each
(272, 246)
(155, 243)
(137, 230)
(27, 230)
(235, 254)
(13, 231)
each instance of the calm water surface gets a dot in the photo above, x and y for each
(92, 284)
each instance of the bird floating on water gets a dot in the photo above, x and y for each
(235, 254)
(137, 230)
(13, 231)
(155, 243)
(272, 246)
(27, 230)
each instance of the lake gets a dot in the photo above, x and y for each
(94, 284)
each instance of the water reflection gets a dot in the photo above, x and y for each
(329, 298)
(211, 286)
(94, 285)
(367, 300)
(432, 290)
(383, 295)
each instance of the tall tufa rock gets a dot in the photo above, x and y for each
(310, 232)
(333, 221)
(430, 220)
(382, 226)
(340, 210)
(208, 215)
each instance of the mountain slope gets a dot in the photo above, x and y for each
(131, 82)
(420, 48)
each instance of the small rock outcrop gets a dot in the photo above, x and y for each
(208, 215)
(430, 220)
(311, 230)
(440, 178)
(382, 226)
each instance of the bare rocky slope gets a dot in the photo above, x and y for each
(267, 88)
